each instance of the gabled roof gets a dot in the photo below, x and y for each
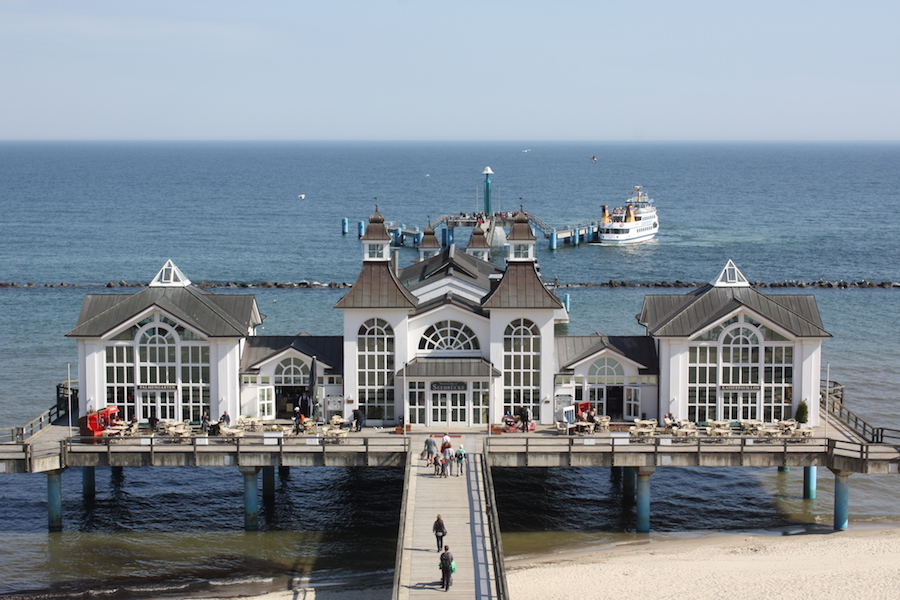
(211, 314)
(637, 348)
(327, 349)
(687, 315)
(377, 287)
(450, 263)
(521, 287)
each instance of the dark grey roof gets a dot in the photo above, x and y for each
(429, 239)
(450, 263)
(521, 287)
(376, 231)
(521, 229)
(328, 349)
(641, 349)
(685, 315)
(213, 315)
(452, 299)
(377, 287)
(478, 240)
(448, 367)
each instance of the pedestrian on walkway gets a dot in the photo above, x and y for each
(439, 532)
(460, 459)
(430, 451)
(447, 463)
(446, 568)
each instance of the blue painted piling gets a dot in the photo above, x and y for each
(576, 236)
(841, 500)
(567, 301)
(54, 500)
(251, 504)
(360, 229)
(553, 239)
(643, 502)
(345, 226)
(809, 483)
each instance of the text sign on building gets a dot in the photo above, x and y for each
(157, 387)
(739, 388)
(449, 386)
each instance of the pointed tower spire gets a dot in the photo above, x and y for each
(521, 239)
(429, 246)
(376, 240)
(170, 276)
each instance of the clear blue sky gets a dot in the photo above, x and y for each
(450, 70)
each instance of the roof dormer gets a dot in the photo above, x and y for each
(478, 245)
(521, 239)
(730, 276)
(376, 240)
(429, 246)
(170, 276)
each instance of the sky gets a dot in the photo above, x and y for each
(595, 70)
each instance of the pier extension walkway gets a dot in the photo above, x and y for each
(464, 503)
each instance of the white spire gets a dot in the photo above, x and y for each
(170, 276)
(731, 276)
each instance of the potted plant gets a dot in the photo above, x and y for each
(802, 415)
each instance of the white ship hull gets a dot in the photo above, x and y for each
(632, 224)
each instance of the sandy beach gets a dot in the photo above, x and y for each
(861, 563)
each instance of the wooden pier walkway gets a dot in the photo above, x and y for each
(464, 504)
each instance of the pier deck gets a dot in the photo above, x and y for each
(463, 504)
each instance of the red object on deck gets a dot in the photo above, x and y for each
(94, 423)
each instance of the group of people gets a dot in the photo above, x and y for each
(443, 460)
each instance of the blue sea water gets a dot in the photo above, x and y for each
(90, 213)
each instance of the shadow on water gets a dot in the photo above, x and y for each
(556, 509)
(178, 532)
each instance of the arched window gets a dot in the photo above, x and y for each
(375, 369)
(606, 371)
(522, 367)
(449, 335)
(740, 357)
(157, 356)
(292, 371)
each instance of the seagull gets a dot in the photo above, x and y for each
(529, 150)
(427, 174)
(302, 196)
(593, 158)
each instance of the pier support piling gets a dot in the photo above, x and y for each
(643, 498)
(345, 226)
(251, 504)
(553, 240)
(629, 483)
(841, 500)
(54, 500)
(268, 480)
(88, 482)
(809, 483)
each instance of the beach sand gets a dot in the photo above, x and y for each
(862, 563)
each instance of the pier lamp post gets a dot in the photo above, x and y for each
(487, 191)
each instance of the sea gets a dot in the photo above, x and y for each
(85, 217)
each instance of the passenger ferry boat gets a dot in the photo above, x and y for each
(631, 224)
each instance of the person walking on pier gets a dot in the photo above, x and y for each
(446, 568)
(447, 462)
(460, 457)
(439, 532)
(430, 451)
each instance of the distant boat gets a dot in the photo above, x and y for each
(637, 222)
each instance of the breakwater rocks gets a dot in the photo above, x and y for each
(605, 284)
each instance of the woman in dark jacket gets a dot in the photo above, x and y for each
(439, 532)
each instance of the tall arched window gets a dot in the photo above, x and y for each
(522, 367)
(449, 335)
(292, 371)
(375, 369)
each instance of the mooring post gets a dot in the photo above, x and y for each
(345, 226)
(54, 500)
(268, 478)
(643, 498)
(553, 239)
(576, 236)
(809, 483)
(841, 500)
(360, 229)
(88, 482)
(251, 504)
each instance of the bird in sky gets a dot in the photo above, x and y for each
(594, 158)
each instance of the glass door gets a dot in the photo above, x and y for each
(458, 408)
(161, 404)
(439, 403)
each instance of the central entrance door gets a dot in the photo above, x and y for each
(159, 403)
(448, 408)
(738, 406)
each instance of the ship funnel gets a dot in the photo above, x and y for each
(604, 216)
(629, 215)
